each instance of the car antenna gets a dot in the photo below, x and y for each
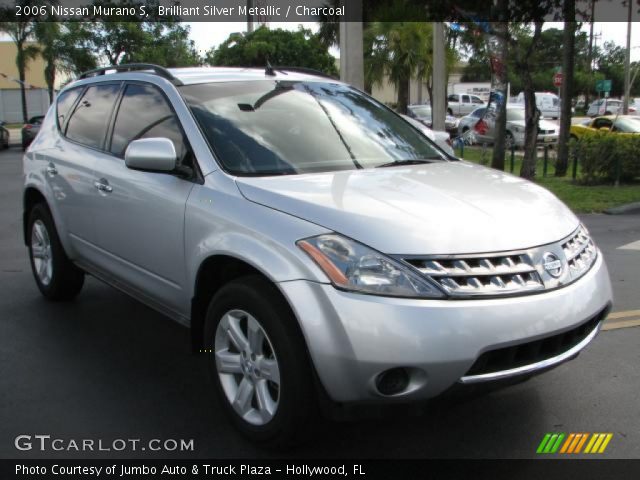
(269, 70)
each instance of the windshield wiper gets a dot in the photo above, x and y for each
(398, 163)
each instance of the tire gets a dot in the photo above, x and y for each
(56, 277)
(288, 403)
(508, 141)
(450, 112)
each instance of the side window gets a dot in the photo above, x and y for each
(89, 120)
(465, 99)
(66, 100)
(453, 98)
(144, 113)
(477, 100)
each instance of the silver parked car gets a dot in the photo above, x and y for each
(317, 245)
(422, 113)
(441, 139)
(547, 131)
(609, 106)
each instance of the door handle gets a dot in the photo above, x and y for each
(103, 186)
(52, 170)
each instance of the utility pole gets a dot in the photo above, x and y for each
(250, 4)
(590, 54)
(627, 62)
(438, 102)
(351, 48)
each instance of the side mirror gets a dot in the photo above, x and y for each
(151, 155)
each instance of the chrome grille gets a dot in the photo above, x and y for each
(509, 273)
(495, 275)
(580, 252)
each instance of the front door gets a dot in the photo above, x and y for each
(140, 226)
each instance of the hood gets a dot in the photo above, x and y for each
(437, 208)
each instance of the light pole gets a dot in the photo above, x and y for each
(627, 62)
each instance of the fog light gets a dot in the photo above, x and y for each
(393, 381)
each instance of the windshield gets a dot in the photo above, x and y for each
(515, 114)
(626, 125)
(287, 127)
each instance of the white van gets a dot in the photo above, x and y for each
(548, 103)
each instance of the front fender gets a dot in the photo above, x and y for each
(220, 221)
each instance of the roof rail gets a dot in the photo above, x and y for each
(309, 71)
(130, 67)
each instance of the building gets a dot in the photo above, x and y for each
(10, 99)
(418, 92)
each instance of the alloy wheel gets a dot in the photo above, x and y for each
(41, 252)
(247, 367)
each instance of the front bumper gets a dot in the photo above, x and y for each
(352, 338)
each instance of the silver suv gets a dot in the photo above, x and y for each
(316, 243)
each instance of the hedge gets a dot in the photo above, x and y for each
(601, 154)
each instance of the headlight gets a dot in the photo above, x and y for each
(352, 266)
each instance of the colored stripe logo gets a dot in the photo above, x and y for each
(574, 443)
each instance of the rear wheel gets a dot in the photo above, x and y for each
(258, 362)
(56, 277)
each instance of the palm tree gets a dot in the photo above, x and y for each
(398, 51)
(64, 49)
(20, 33)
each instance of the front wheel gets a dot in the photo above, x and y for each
(258, 362)
(56, 277)
(509, 141)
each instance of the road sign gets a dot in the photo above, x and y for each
(557, 79)
(603, 86)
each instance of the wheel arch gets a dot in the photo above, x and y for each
(31, 197)
(213, 273)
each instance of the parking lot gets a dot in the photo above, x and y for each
(105, 366)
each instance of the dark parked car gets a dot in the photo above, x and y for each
(4, 136)
(30, 130)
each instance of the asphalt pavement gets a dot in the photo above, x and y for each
(107, 367)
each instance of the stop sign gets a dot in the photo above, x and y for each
(557, 80)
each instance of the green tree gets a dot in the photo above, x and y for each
(166, 45)
(610, 63)
(21, 33)
(301, 48)
(398, 51)
(63, 49)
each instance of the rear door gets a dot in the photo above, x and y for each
(83, 116)
(140, 228)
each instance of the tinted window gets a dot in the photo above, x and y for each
(65, 102)
(453, 98)
(285, 127)
(478, 112)
(89, 120)
(145, 113)
(477, 100)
